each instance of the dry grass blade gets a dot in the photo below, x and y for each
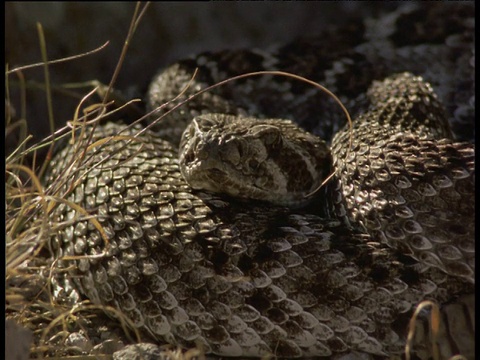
(136, 18)
(58, 61)
(126, 323)
(48, 94)
(20, 123)
(29, 199)
(29, 227)
(435, 325)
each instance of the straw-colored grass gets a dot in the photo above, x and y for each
(49, 320)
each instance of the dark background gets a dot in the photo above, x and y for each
(168, 31)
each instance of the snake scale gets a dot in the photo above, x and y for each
(340, 274)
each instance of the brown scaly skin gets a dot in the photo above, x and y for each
(255, 279)
(410, 185)
(241, 280)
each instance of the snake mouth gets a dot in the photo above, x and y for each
(239, 186)
(202, 177)
(220, 181)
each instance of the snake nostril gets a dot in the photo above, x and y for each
(189, 157)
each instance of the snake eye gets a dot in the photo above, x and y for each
(231, 152)
(205, 150)
(189, 157)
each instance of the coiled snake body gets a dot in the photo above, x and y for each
(240, 277)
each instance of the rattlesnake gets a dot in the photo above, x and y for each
(241, 277)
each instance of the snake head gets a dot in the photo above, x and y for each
(270, 160)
